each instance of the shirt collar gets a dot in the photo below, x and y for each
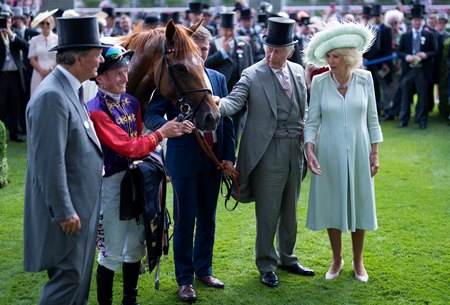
(73, 81)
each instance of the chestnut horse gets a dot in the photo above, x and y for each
(167, 59)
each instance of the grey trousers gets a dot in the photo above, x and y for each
(275, 183)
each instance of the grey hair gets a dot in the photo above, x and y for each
(202, 34)
(351, 56)
(68, 56)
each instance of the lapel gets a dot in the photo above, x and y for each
(73, 98)
(266, 78)
(296, 80)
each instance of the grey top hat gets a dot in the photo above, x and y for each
(17, 12)
(280, 32)
(227, 20)
(77, 32)
(5, 11)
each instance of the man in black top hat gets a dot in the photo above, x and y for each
(230, 55)
(13, 86)
(270, 159)
(417, 49)
(385, 69)
(64, 169)
(194, 13)
(248, 31)
(302, 19)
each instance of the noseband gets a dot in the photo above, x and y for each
(187, 107)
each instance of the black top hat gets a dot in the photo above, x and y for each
(165, 17)
(109, 11)
(237, 6)
(176, 17)
(246, 13)
(227, 20)
(367, 10)
(77, 32)
(280, 32)
(151, 19)
(262, 18)
(195, 7)
(115, 57)
(417, 11)
(376, 10)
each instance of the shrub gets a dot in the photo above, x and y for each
(3, 160)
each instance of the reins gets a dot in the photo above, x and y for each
(228, 180)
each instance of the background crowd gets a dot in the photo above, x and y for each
(30, 61)
(250, 48)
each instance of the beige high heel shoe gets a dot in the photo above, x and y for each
(332, 276)
(362, 278)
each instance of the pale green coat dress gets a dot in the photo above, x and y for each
(342, 130)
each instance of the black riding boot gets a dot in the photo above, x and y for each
(105, 278)
(130, 279)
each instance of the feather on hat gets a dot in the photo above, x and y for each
(336, 36)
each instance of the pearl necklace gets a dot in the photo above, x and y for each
(340, 86)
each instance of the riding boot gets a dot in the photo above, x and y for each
(105, 278)
(130, 278)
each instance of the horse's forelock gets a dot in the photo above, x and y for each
(182, 43)
(137, 40)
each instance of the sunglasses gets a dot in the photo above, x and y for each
(114, 52)
(44, 23)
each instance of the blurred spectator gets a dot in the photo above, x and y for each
(40, 58)
(125, 27)
(12, 74)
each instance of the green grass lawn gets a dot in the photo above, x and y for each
(407, 258)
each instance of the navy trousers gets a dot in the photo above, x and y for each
(195, 202)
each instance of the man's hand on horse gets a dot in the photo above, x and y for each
(187, 127)
(216, 99)
(172, 129)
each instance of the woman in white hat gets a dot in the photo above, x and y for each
(343, 156)
(41, 59)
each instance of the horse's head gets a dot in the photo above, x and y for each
(168, 60)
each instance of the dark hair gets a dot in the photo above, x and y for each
(67, 56)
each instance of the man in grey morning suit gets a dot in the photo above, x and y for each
(64, 171)
(270, 159)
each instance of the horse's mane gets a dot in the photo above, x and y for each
(182, 43)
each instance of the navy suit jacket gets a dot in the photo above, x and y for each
(19, 44)
(184, 155)
(428, 45)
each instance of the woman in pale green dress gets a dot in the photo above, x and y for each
(341, 137)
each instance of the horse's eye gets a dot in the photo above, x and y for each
(180, 68)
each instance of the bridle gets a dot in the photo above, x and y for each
(187, 107)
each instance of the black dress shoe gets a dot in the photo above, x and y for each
(269, 279)
(17, 138)
(298, 269)
(402, 124)
(388, 117)
(187, 293)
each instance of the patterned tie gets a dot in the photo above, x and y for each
(81, 95)
(209, 138)
(285, 83)
(416, 43)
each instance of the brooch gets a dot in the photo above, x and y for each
(422, 40)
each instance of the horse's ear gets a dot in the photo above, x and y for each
(170, 30)
(195, 27)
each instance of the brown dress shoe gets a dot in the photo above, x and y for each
(187, 293)
(211, 281)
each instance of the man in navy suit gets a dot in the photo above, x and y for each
(196, 182)
(417, 49)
